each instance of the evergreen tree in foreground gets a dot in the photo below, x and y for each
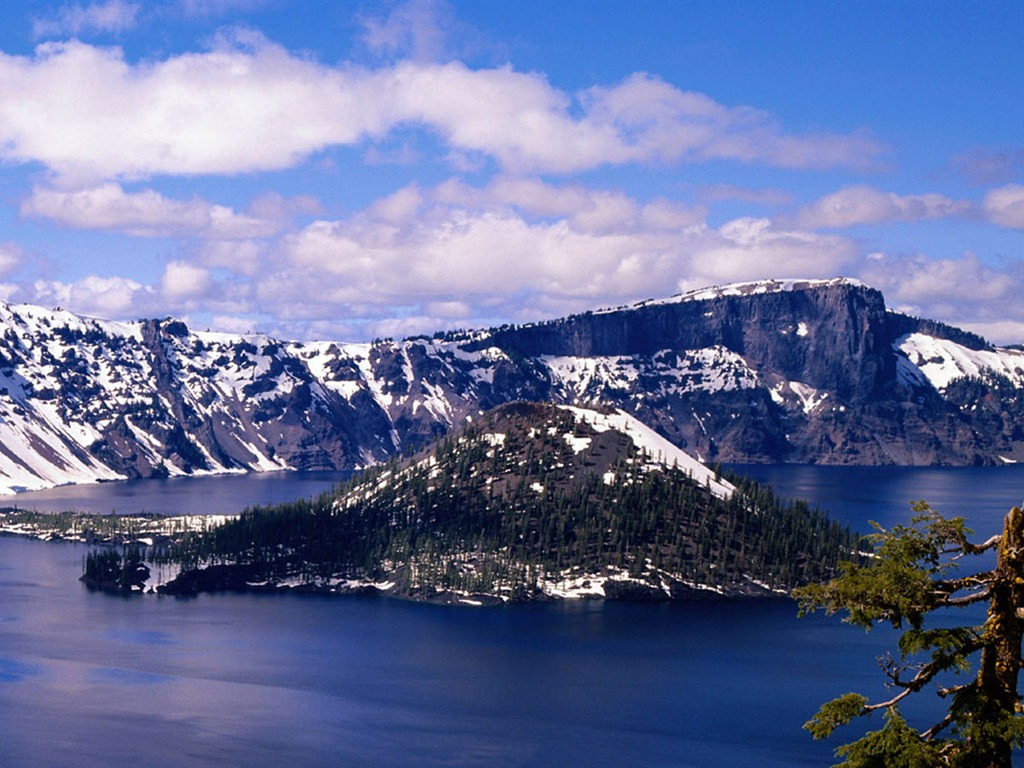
(911, 574)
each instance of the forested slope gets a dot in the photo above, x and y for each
(529, 501)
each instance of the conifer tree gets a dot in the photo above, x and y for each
(911, 574)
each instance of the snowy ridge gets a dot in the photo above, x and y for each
(751, 288)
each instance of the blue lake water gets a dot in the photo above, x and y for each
(248, 680)
(208, 495)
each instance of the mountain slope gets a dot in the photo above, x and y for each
(795, 371)
(530, 500)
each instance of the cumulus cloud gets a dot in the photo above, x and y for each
(241, 257)
(520, 249)
(866, 205)
(585, 208)
(183, 281)
(112, 16)
(749, 249)
(10, 257)
(655, 120)
(455, 255)
(963, 291)
(1005, 206)
(88, 114)
(106, 297)
(146, 214)
(1003, 332)
(426, 258)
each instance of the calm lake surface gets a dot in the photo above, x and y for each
(248, 680)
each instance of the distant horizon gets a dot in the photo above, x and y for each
(384, 169)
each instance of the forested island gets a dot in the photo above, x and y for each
(530, 501)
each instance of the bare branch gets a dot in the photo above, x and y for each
(960, 602)
(937, 728)
(890, 703)
(977, 549)
(944, 692)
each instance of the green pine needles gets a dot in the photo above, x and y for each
(912, 572)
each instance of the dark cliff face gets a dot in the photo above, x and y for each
(835, 338)
(762, 373)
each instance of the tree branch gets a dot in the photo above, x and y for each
(977, 549)
(937, 728)
(959, 602)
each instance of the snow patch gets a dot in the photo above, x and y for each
(810, 397)
(577, 444)
(660, 451)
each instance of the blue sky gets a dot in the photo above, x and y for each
(353, 170)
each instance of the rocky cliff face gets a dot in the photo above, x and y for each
(773, 371)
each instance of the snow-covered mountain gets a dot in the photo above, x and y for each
(806, 371)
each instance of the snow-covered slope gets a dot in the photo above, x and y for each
(660, 452)
(940, 362)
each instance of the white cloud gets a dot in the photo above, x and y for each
(919, 281)
(143, 214)
(182, 281)
(1005, 206)
(399, 206)
(668, 214)
(653, 120)
(866, 205)
(423, 30)
(88, 114)
(751, 249)
(469, 254)
(105, 297)
(275, 207)
(998, 331)
(233, 324)
(430, 258)
(586, 209)
(449, 310)
(241, 257)
(965, 291)
(10, 258)
(111, 16)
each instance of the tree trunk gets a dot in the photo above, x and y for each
(1000, 660)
